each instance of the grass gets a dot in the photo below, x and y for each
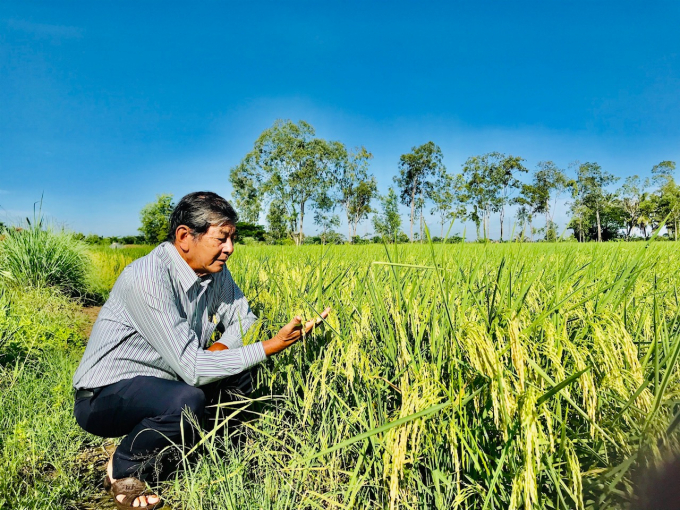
(41, 256)
(460, 376)
(39, 441)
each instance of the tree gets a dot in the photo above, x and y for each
(155, 219)
(447, 195)
(525, 217)
(585, 226)
(356, 188)
(245, 230)
(388, 223)
(504, 182)
(246, 191)
(549, 183)
(324, 216)
(291, 167)
(414, 170)
(590, 188)
(276, 222)
(667, 196)
(489, 183)
(530, 201)
(663, 172)
(631, 196)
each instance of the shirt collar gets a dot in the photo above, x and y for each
(186, 276)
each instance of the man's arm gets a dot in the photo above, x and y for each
(287, 335)
(233, 312)
(155, 316)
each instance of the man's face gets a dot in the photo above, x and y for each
(209, 252)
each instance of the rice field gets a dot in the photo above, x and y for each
(460, 376)
(471, 376)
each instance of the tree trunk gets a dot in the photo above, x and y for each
(531, 228)
(413, 206)
(599, 229)
(298, 241)
(502, 218)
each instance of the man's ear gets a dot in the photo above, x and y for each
(183, 237)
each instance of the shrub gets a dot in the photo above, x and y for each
(41, 256)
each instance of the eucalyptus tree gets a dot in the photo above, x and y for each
(478, 190)
(549, 182)
(530, 201)
(415, 170)
(324, 215)
(504, 182)
(290, 165)
(591, 190)
(490, 182)
(277, 223)
(631, 196)
(668, 196)
(356, 188)
(246, 191)
(388, 222)
(447, 194)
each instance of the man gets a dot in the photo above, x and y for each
(147, 359)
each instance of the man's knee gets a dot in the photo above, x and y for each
(188, 397)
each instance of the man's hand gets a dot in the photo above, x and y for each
(291, 333)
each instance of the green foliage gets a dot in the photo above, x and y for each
(155, 219)
(490, 180)
(416, 168)
(447, 195)
(356, 188)
(276, 221)
(591, 194)
(40, 343)
(249, 230)
(289, 167)
(39, 256)
(388, 222)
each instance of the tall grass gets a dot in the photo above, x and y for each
(40, 256)
(40, 346)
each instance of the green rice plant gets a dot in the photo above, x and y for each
(40, 256)
(108, 263)
(460, 376)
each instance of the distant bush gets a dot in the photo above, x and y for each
(40, 256)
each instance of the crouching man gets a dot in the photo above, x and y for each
(147, 359)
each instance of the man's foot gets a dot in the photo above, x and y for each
(139, 502)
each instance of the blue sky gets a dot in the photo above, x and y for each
(104, 105)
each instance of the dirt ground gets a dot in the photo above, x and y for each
(91, 313)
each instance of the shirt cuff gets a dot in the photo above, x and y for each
(252, 354)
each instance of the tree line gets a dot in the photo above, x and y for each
(291, 175)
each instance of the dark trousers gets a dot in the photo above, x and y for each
(157, 418)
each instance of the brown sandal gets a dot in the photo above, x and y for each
(131, 488)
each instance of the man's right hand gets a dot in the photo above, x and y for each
(291, 333)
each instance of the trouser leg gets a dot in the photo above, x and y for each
(222, 400)
(149, 412)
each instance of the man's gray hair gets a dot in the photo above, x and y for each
(199, 211)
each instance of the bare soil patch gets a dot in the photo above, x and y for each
(91, 313)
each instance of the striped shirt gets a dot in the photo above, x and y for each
(157, 322)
